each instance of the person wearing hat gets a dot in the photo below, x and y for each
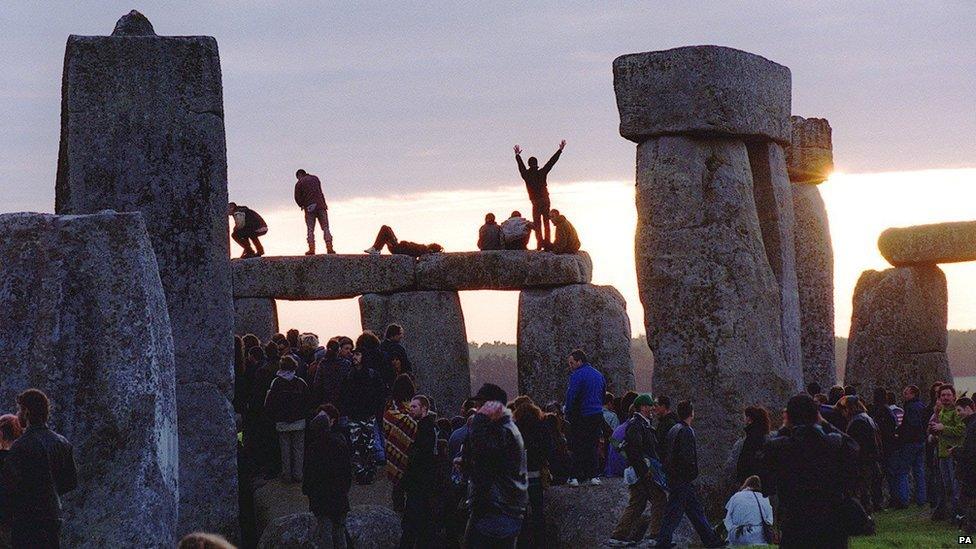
(644, 475)
(494, 461)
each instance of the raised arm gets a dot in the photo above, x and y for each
(518, 158)
(555, 157)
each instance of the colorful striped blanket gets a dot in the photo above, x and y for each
(399, 430)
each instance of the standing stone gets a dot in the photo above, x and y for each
(435, 340)
(142, 129)
(898, 330)
(810, 160)
(258, 316)
(553, 322)
(84, 320)
(714, 233)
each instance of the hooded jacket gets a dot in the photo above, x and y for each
(495, 461)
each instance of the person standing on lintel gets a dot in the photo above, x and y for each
(309, 197)
(536, 185)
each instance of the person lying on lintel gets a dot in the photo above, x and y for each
(387, 238)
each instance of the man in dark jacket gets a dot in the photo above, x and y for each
(640, 448)
(911, 439)
(39, 469)
(811, 469)
(490, 235)
(309, 197)
(248, 226)
(566, 240)
(584, 409)
(965, 456)
(494, 460)
(884, 419)
(418, 480)
(666, 419)
(394, 350)
(681, 467)
(538, 188)
(361, 397)
(328, 476)
(387, 238)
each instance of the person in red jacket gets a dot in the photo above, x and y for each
(309, 197)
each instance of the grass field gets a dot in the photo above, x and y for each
(908, 528)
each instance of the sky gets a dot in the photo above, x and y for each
(405, 108)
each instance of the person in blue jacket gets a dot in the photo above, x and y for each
(584, 410)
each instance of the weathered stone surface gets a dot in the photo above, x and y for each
(585, 518)
(369, 526)
(142, 130)
(257, 315)
(435, 340)
(712, 304)
(133, 24)
(898, 330)
(929, 244)
(774, 205)
(502, 270)
(810, 157)
(84, 319)
(553, 322)
(815, 282)
(704, 91)
(337, 276)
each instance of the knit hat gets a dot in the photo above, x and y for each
(643, 399)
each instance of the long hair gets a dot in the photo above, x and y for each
(367, 341)
(752, 483)
(851, 405)
(759, 417)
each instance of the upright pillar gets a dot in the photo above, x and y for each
(713, 248)
(898, 330)
(142, 129)
(84, 320)
(553, 322)
(434, 338)
(255, 315)
(810, 160)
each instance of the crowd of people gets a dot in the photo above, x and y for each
(512, 234)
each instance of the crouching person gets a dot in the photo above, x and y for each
(286, 405)
(328, 476)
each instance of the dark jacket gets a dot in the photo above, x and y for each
(865, 433)
(913, 423)
(640, 442)
(566, 240)
(308, 191)
(38, 470)
(811, 470)
(887, 425)
(835, 417)
(490, 237)
(681, 461)
(495, 462)
(749, 462)
(328, 468)
(535, 178)
(420, 474)
(664, 425)
(252, 219)
(394, 350)
(327, 386)
(380, 363)
(413, 249)
(361, 393)
(966, 458)
(259, 384)
(539, 445)
(288, 400)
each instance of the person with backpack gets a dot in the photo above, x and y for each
(287, 405)
(644, 475)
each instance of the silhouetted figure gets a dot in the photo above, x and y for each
(566, 240)
(516, 231)
(328, 476)
(248, 226)
(418, 480)
(536, 185)
(309, 197)
(490, 235)
(38, 471)
(386, 237)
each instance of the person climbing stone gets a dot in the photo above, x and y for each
(537, 186)
(309, 197)
(490, 235)
(39, 469)
(516, 231)
(248, 226)
(386, 237)
(566, 240)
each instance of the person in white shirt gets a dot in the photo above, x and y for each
(746, 511)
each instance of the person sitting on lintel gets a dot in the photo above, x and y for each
(248, 226)
(516, 231)
(566, 240)
(490, 235)
(387, 238)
